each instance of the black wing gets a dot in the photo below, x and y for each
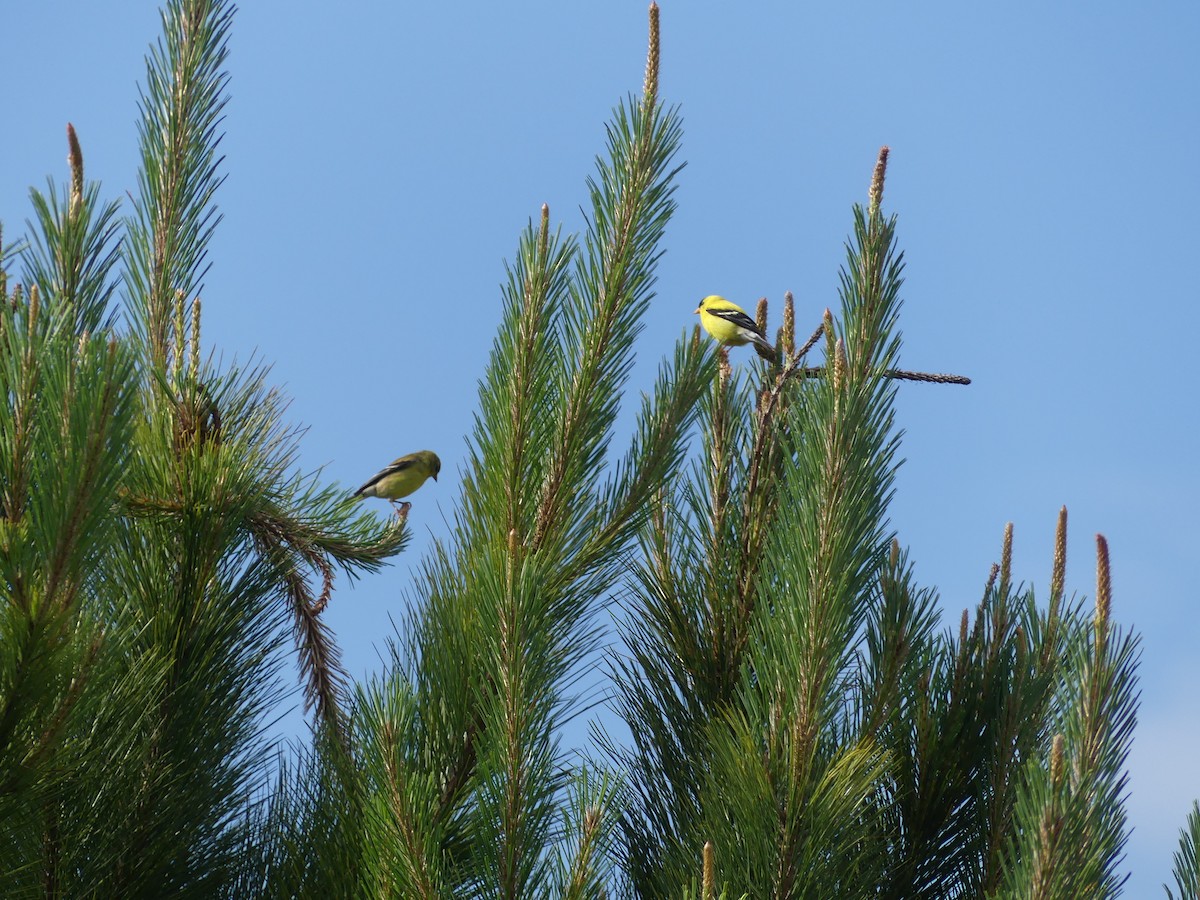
(398, 465)
(736, 317)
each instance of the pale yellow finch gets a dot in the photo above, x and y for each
(402, 477)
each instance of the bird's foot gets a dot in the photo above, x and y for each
(401, 509)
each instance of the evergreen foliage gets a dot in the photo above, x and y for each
(157, 543)
(1187, 871)
(802, 724)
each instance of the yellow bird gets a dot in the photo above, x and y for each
(401, 478)
(729, 324)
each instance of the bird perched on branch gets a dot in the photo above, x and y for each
(401, 478)
(729, 324)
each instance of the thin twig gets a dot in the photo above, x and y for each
(935, 378)
(900, 374)
(794, 368)
(811, 342)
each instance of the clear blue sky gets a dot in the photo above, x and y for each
(382, 158)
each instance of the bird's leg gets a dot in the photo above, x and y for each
(401, 509)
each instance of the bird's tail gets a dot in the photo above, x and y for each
(764, 348)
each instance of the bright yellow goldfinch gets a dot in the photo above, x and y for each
(402, 477)
(729, 324)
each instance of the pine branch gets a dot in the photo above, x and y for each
(74, 248)
(712, 647)
(174, 214)
(422, 877)
(1067, 823)
(1186, 870)
(504, 620)
(589, 819)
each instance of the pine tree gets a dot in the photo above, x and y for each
(802, 725)
(157, 541)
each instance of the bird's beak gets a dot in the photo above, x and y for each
(696, 310)
(435, 476)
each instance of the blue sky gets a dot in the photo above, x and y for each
(381, 159)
